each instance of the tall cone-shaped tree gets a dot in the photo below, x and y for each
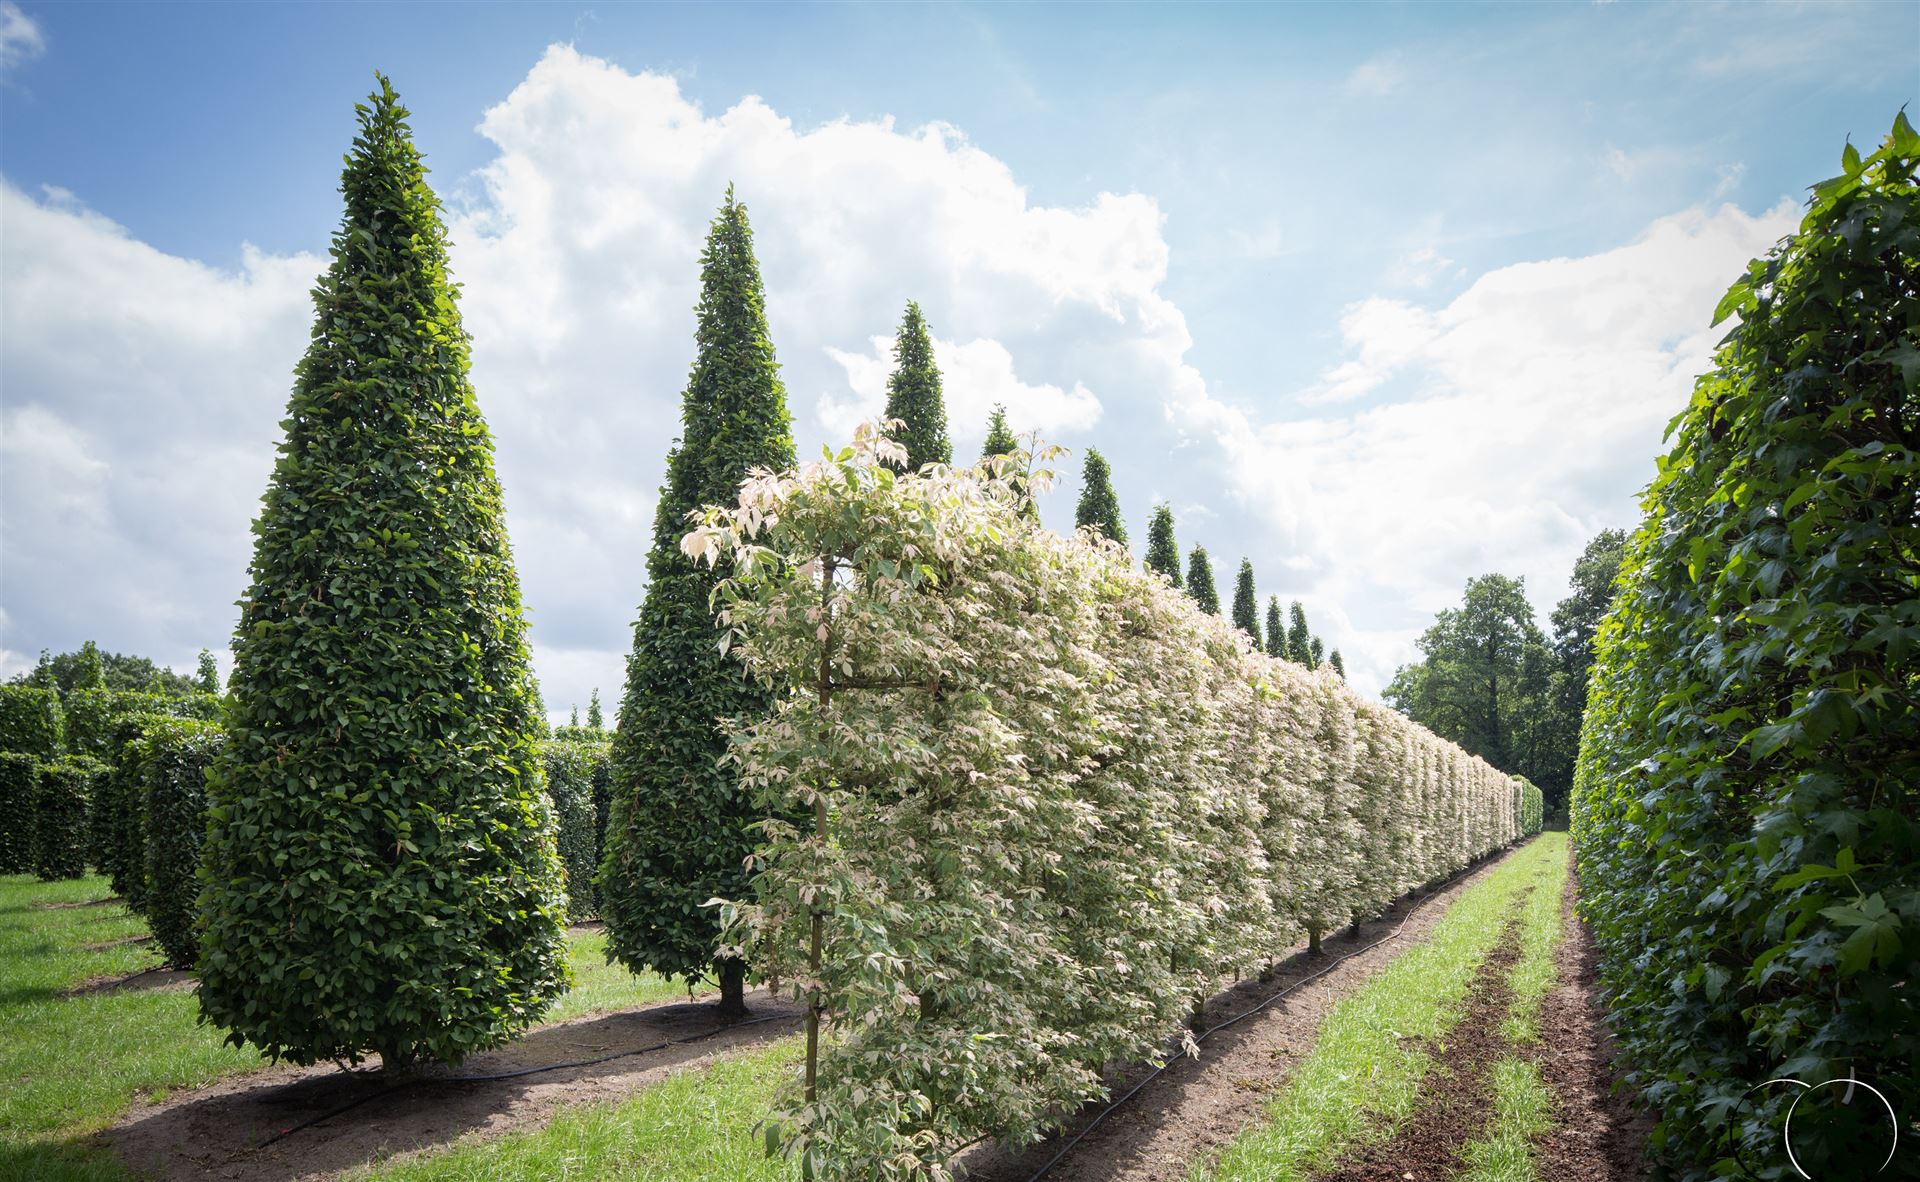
(1316, 653)
(1001, 441)
(595, 718)
(1339, 666)
(677, 833)
(1098, 506)
(380, 868)
(1299, 637)
(1163, 553)
(1276, 629)
(1200, 581)
(913, 395)
(1246, 604)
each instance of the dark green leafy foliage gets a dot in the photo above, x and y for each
(31, 721)
(913, 395)
(173, 757)
(576, 765)
(1746, 810)
(380, 860)
(19, 803)
(1246, 604)
(1300, 640)
(1530, 807)
(679, 831)
(1276, 630)
(1339, 666)
(1200, 581)
(1098, 507)
(1163, 553)
(117, 825)
(65, 792)
(206, 678)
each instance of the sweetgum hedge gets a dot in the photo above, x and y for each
(64, 795)
(1052, 802)
(19, 801)
(381, 873)
(173, 757)
(1746, 811)
(31, 721)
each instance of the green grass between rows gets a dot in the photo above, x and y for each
(1365, 1072)
(72, 1065)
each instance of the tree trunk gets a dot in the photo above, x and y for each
(733, 988)
(1313, 941)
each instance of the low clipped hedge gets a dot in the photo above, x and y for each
(19, 800)
(62, 799)
(31, 721)
(577, 780)
(173, 756)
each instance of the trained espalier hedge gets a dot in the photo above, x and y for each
(66, 789)
(1746, 806)
(1052, 802)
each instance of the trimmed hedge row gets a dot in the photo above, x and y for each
(578, 783)
(1746, 807)
(63, 796)
(31, 721)
(92, 715)
(19, 802)
(1050, 802)
(173, 756)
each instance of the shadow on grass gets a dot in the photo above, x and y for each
(73, 1159)
(219, 1131)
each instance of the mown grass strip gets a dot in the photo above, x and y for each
(1365, 1072)
(696, 1125)
(71, 1065)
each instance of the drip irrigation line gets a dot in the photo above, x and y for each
(1215, 1029)
(516, 1074)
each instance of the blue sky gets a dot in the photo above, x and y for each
(1381, 296)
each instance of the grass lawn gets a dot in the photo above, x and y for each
(71, 1065)
(1365, 1073)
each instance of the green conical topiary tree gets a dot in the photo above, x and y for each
(1200, 581)
(379, 865)
(1316, 653)
(913, 395)
(1098, 506)
(1163, 553)
(595, 719)
(1276, 629)
(678, 832)
(1299, 638)
(1000, 437)
(1246, 604)
(1339, 666)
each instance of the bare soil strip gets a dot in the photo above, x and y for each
(214, 1132)
(155, 978)
(1598, 1133)
(1457, 1096)
(1199, 1105)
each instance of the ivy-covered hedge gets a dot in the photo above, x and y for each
(31, 721)
(173, 756)
(1746, 809)
(65, 795)
(19, 803)
(577, 776)
(1049, 802)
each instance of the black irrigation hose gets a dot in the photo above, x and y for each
(459, 1079)
(1203, 1035)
